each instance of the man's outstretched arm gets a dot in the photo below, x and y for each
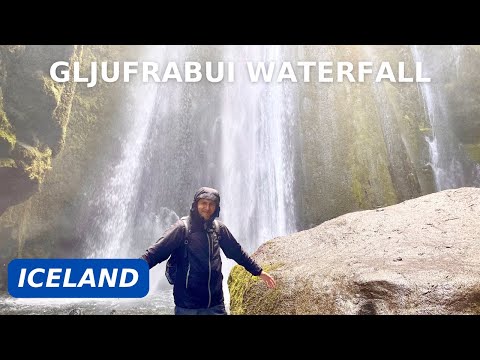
(233, 250)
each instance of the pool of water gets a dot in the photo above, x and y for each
(157, 303)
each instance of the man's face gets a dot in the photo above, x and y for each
(206, 208)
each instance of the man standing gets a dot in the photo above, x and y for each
(195, 243)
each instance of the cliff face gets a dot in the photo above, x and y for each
(34, 113)
(363, 142)
(421, 256)
(367, 145)
(52, 145)
(464, 101)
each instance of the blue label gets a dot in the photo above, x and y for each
(78, 278)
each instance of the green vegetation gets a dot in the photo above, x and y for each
(427, 131)
(367, 154)
(7, 136)
(52, 88)
(64, 95)
(248, 295)
(473, 150)
(7, 163)
(35, 162)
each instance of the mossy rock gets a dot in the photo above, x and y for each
(260, 299)
(7, 136)
(52, 88)
(7, 163)
(473, 150)
(33, 161)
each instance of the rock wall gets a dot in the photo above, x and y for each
(365, 145)
(34, 113)
(57, 147)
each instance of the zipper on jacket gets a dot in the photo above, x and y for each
(188, 273)
(209, 272)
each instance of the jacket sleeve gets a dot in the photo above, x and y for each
(233, 250)
(161, 250)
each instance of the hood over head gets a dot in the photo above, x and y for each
(206, 193)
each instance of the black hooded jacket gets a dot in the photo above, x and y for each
(198, 282)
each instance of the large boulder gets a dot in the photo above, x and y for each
(421, 256)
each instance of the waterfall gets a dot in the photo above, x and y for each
(257, 151)
(447, 160)
(235, 137)
(113, 204)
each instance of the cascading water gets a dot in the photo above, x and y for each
(232, 136)
(449, 164)
(111, 227)
(257, 152)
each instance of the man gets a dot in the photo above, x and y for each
(197, 285)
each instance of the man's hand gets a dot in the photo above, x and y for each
(269, 280)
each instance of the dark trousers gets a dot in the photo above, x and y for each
(214, 310)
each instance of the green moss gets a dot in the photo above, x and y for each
(64, 95)
(35, 162)
(368, 161)
(358, 192)
(7, 163)
(413, 126)
(247, 296)
(7, 136)
(239, 282)
(7, 141)
(52, 88)
(473, 150)
(427, 131)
